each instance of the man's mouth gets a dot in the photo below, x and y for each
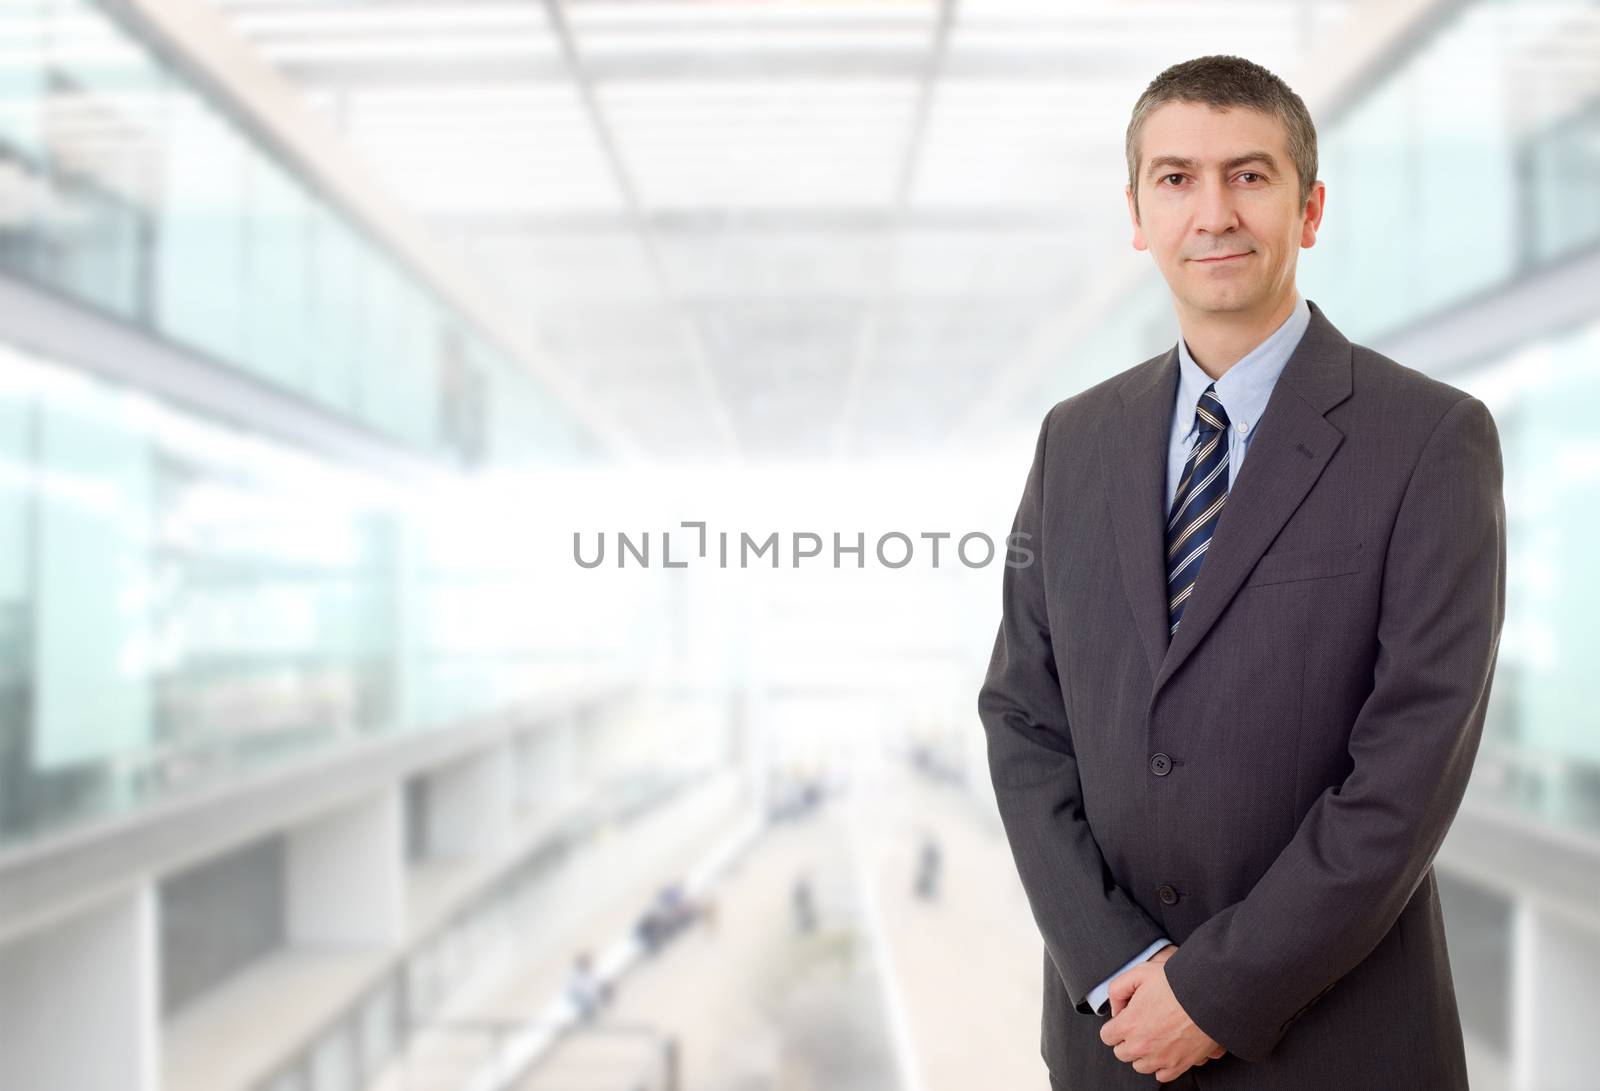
(1224, 257)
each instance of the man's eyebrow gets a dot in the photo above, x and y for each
(1179, 162)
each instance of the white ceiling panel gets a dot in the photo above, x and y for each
(766, 229)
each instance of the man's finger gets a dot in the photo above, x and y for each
(1121, 991)
(1117, 1004)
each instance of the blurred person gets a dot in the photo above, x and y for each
(1233, 703)
(667, 915)
(811, 794)
(926, 885)
(585, 989)
(804, 906)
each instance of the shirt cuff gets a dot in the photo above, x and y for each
(1099, 996)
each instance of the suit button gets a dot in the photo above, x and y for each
(1161, 765)
(1168, 895)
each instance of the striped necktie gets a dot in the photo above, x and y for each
(1197, 504)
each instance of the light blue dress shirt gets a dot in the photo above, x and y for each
(1243, 390)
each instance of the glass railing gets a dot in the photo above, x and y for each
(400, 1032)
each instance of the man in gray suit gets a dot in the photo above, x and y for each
(1234, 702)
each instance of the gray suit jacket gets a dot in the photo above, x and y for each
(1269, 790)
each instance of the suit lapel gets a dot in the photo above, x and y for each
(1134, 470)
(1292, 445)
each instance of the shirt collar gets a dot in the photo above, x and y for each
(1245, 387)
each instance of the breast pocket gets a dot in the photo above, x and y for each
(1308, 563)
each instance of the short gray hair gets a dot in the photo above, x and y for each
(1221, 81)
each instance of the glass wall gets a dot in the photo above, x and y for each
(123, 187)
(1541, 748)
(1454, 174)
(181, 601)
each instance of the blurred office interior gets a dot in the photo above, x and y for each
(329, 329)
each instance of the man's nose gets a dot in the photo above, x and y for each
(1215, 213)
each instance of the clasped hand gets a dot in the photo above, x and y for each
(1149, 1029)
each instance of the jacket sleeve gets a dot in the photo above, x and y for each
(1365, 845)
(1089, 924)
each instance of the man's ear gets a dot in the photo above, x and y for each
(1133, 214)
(1313, 215)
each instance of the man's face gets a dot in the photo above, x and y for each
(1205, 195)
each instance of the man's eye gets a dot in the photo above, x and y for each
(1164, 177)
(1251, 173)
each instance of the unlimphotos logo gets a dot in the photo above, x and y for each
(894, 549)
